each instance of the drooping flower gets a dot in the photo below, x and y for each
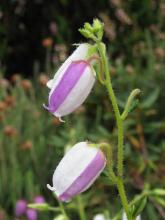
(72, 83)
(20, 207)
(78, 169)
(31, 214)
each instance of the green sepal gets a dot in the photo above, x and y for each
(40, 207)
(85, 32)
(158, 192)
(88, 27)
(92, 50)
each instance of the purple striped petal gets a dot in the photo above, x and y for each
(86, 178)
(66, 84)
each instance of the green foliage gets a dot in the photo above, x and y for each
(32, 141)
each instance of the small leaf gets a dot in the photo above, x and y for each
(160, 192)
(40, 207)
(88, 27)
(85, 33)
(139, 206)
(150, 100)
(133, 105)
(160, 201)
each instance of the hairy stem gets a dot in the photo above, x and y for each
(119, 121)
(81, 208)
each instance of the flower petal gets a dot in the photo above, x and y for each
(78, 94)
(79, 54)
(68, 81)
(86, 178)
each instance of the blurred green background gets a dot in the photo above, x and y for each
(35, 38)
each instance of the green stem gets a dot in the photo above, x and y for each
(107, 149)
(131, 97)
(63, 210)
(81, 208)
(119, 121)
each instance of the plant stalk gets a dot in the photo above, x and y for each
(119, 122)
(81, 208)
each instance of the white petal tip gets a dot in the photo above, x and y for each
(49, 84)
(61, 120)
(50, 187)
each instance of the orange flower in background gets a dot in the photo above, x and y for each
(4, 83)
(160, 53)
(15, 77)
(10, 131)
(10, 100)
(2, 117)
(56, 121)
(47, 42)
(43, 79)
(2, 106)
(26, 145)
(130, 70)
(26, 84)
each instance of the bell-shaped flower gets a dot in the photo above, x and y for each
(78, 169)
(71, 84)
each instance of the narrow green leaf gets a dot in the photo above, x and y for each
(139, 206)
(151, 99)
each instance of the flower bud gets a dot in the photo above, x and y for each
(71, 84)
(39, 199)
(20, 207)
(78, 169)
(31, 214)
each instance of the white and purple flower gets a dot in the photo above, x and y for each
(78, 169)
(71, 84)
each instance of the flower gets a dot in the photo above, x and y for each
(78, 169)
(47, 42)
(20, 207)
(124, 217)
(39, 199)
(26, 145)
(31, 214)
(99, 217)
(26, 84)
(71, 84)
(10, 131)
(43, 79)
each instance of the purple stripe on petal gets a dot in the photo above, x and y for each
(86, 177)
(66, 84)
